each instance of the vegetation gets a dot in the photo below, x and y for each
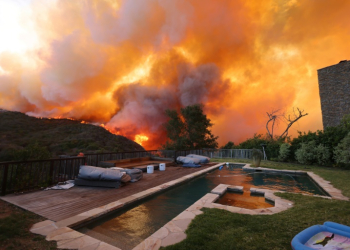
(14, 229)
(228, 230)
(284, 152)
(229, 145)
(306, 154)
(189, 129)
(342, 151)
(328, 147)
(271, 147)
(24, 137)
(257, 155)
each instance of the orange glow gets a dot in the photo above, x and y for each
(122, 63)
(140, 139)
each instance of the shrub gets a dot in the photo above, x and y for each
(257, 156)
(284, 152)
(306, 154)
(323, 155)
(228, 145)
(342, 151)
(33, 151)
(272, 149)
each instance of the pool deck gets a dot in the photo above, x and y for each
(57, 205)
(85, 204)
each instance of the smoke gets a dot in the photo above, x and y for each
(123, 62)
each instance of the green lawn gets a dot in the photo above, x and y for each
(14, 229)
(220, 229)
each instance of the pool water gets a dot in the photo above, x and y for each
(244, 200)
(233, 175)
(128, 227)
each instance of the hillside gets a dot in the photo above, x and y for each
(59, 136)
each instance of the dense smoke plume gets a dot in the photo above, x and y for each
(122, 63)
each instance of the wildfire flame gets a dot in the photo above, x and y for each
(140, 139)
(124, 62)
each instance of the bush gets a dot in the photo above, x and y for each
(229, 145)
(306, 154)
(342, 151)
(257, 155)
(284, 152)
(272, 149)
(323, 155)
(33, 151)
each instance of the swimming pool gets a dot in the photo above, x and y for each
(126, 228)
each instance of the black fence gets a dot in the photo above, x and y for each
(23, 176)
(27, 175)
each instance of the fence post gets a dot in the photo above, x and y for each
(4, 180)
(175, 156)
(51, 172)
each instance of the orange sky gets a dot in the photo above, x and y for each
(122, 63)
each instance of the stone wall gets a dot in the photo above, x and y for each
(334, 85)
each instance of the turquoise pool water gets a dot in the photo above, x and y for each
(128, 227)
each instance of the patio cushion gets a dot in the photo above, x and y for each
(99, 174)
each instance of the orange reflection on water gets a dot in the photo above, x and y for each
(244, 200)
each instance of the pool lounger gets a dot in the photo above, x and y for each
(202, 159)
(100, 177)
(330, 235)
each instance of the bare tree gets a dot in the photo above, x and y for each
(292, 120)
(274, 118)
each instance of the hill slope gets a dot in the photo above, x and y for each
(58, 136)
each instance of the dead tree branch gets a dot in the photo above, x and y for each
(292, 120)
(273, 116)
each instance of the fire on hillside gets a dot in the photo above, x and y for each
(123, 63)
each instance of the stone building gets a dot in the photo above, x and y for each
(334, 85)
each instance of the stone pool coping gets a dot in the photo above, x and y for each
(174, 231)
(333, 192)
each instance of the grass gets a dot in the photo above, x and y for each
(14, 229)
(220, 229)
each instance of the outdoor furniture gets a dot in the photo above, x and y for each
(202, 159)
(187, 160)
(330, 236)
(100, 177)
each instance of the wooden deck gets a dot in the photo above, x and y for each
(57, 205)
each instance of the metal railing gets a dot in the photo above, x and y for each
(228, 153)
(27, 175)
(19, 176)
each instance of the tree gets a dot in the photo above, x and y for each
(274, 117)
(228, 145)
(189, 129)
